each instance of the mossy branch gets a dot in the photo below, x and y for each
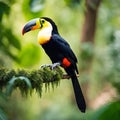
(27, 80)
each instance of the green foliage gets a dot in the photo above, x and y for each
(2, 115)
(108, 66)
(72, 3)
(8, 41)
(109, 111)
(33, 8)
(29, 55)
(10, 45)
(114, 56)
(12, 39)
(86, 54)
(11, 107)
(85, 58)
(4, 9)
(58, 113)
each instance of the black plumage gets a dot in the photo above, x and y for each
(58, 49)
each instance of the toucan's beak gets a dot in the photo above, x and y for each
(31, 25)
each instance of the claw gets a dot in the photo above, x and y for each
(46, 65)
(52, 66)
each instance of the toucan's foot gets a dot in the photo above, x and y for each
(52, 66)
(46, 65)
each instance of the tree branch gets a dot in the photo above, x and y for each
(27, 80)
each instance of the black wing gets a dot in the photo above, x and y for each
(65, 50)
(64, 47)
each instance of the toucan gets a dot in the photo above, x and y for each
(59, 51)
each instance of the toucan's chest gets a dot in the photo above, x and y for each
(53, 51)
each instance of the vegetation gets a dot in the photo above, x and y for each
(93, 31)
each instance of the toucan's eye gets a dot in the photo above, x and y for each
(43, 21)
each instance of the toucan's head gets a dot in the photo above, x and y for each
(40, 23)
(46, 25)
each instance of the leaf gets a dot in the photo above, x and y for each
(4, 8)
(2, 115)
(108, 111)
(72, 3)
(12, 39)
(12, 82)
(36, 5)
(8, 52)
(2, 96)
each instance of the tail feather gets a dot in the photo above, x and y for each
(78, 94)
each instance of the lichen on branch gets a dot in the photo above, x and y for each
(29, 80)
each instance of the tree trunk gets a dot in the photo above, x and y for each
(89, 25)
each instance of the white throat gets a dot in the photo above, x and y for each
(44, 35)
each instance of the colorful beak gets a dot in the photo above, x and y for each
(31, 25)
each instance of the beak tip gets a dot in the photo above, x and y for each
(23, 32)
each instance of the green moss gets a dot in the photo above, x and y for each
(29, 80)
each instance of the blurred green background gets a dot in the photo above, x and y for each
(92, 28)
